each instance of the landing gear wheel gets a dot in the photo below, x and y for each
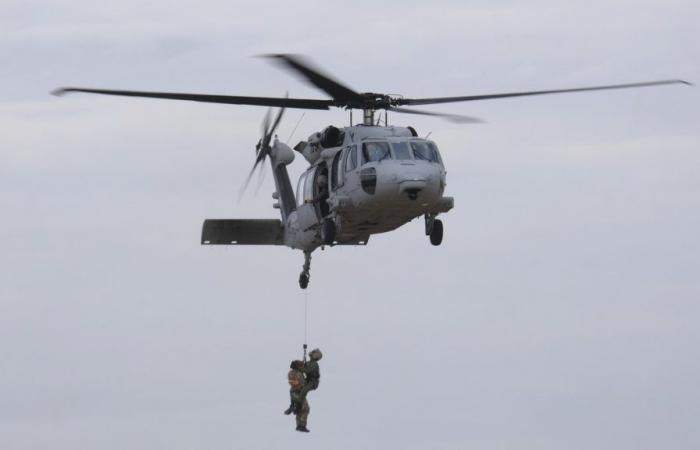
(436, 232)
(303, 280)
(327, 232)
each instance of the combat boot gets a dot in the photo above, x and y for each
(302, 428)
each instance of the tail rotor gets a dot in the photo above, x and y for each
(263, 148)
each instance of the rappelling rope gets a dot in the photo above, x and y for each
(306, 320)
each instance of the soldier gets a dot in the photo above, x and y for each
(298, 405)
(312, 372)
(295, 377)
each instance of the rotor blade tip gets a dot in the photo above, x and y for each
(274, 55)
(59, 92)
(465, 120)
(687, 83)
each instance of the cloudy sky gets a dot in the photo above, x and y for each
(561, 311)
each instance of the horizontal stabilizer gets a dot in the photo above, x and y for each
(242, 232)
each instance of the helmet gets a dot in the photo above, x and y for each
(315, 354)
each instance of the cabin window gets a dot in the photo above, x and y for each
(300, 188)
(401, 150)
(309, 186)
(351, 158)
(424, 151)
(336, 172)
(375, 151)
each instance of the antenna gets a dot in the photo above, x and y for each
(428, 135)
(295, 127)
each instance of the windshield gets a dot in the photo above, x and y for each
(375, 151)
(424, 151)
(401, 150)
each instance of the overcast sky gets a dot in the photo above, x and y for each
(561, 311)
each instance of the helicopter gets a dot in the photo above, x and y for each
(362, 179)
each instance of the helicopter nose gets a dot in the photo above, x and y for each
(412, 186)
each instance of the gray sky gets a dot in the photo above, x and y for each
(561, 310)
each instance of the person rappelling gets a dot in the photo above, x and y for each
(303, 377)
(312, 372)
(298, 405)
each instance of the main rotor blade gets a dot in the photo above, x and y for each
(299, 103)
(451, 117)
(429, 101)
(314, 76)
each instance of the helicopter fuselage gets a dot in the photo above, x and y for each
(363, 180)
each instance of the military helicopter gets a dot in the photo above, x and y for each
(362, 179)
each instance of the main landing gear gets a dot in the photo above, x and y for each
(306, 271)
(433, 228)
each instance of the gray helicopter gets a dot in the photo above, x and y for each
(362, 180)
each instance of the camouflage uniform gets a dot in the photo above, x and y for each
(299, 404)
(312, 372)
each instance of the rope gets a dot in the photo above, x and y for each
(306, 320)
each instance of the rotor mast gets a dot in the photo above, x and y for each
(368, 117)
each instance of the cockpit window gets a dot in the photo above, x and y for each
(401, 150)
(375, 151)
(424, 151)
(437, 153)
